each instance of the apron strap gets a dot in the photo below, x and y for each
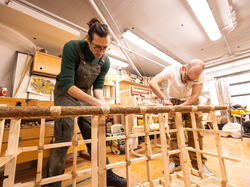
(79, 49)
(103, 60)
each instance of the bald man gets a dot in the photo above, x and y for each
(185, 84)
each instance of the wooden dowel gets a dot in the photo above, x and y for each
(164, 150)
(182, 147)
(209, 131)
(214, 154)
(40, 153)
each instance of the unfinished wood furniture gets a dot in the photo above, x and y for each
(98, 144)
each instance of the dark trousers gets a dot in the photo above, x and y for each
(189, 138)
(63, 132)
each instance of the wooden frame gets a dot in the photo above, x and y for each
(98, 144)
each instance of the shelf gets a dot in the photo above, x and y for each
(133, 83)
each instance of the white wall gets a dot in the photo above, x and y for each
(10, 42)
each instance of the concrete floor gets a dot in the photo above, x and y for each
(238, 172)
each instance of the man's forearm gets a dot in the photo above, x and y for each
(157, 91)
(98, 94)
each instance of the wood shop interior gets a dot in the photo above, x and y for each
(165, 84)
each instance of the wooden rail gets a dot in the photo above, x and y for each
(98, 144)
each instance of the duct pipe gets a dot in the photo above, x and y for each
(114, 36)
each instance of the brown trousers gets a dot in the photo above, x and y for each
(189, 138)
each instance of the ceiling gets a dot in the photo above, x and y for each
(169, 25)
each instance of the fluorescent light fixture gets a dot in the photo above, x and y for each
(42, 17)
(204, 14)
(231, 65)
(117, 63)
(148, 47)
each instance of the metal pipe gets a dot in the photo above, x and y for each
(114, 36)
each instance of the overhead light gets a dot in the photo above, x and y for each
(148, 47)
(42, 17)
(204, 14)
(117, 63)
(231, 65)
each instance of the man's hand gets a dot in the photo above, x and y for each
(166, 102)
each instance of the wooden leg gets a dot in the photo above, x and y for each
(102, 152)
(94, 160)
(2, 121)
(219, 150)
(148, 148)
(182, 147)
(75, 144)
(164, 150)
(196, 143)
(127, 153)
(12, 149)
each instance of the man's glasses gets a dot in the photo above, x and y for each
(99, 48)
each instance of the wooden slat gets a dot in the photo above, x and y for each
(182, 148)
(1, 132)
(94, 160)
(148, 148)
(196, 142)
(10, 167)
(75, 144)
(127, 152)
(164, 150)
(219, 148)
(102, 152)
(40, 152)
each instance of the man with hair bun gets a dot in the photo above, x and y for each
(185, 84)
(84, 65)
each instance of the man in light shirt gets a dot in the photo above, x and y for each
(185, 84)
